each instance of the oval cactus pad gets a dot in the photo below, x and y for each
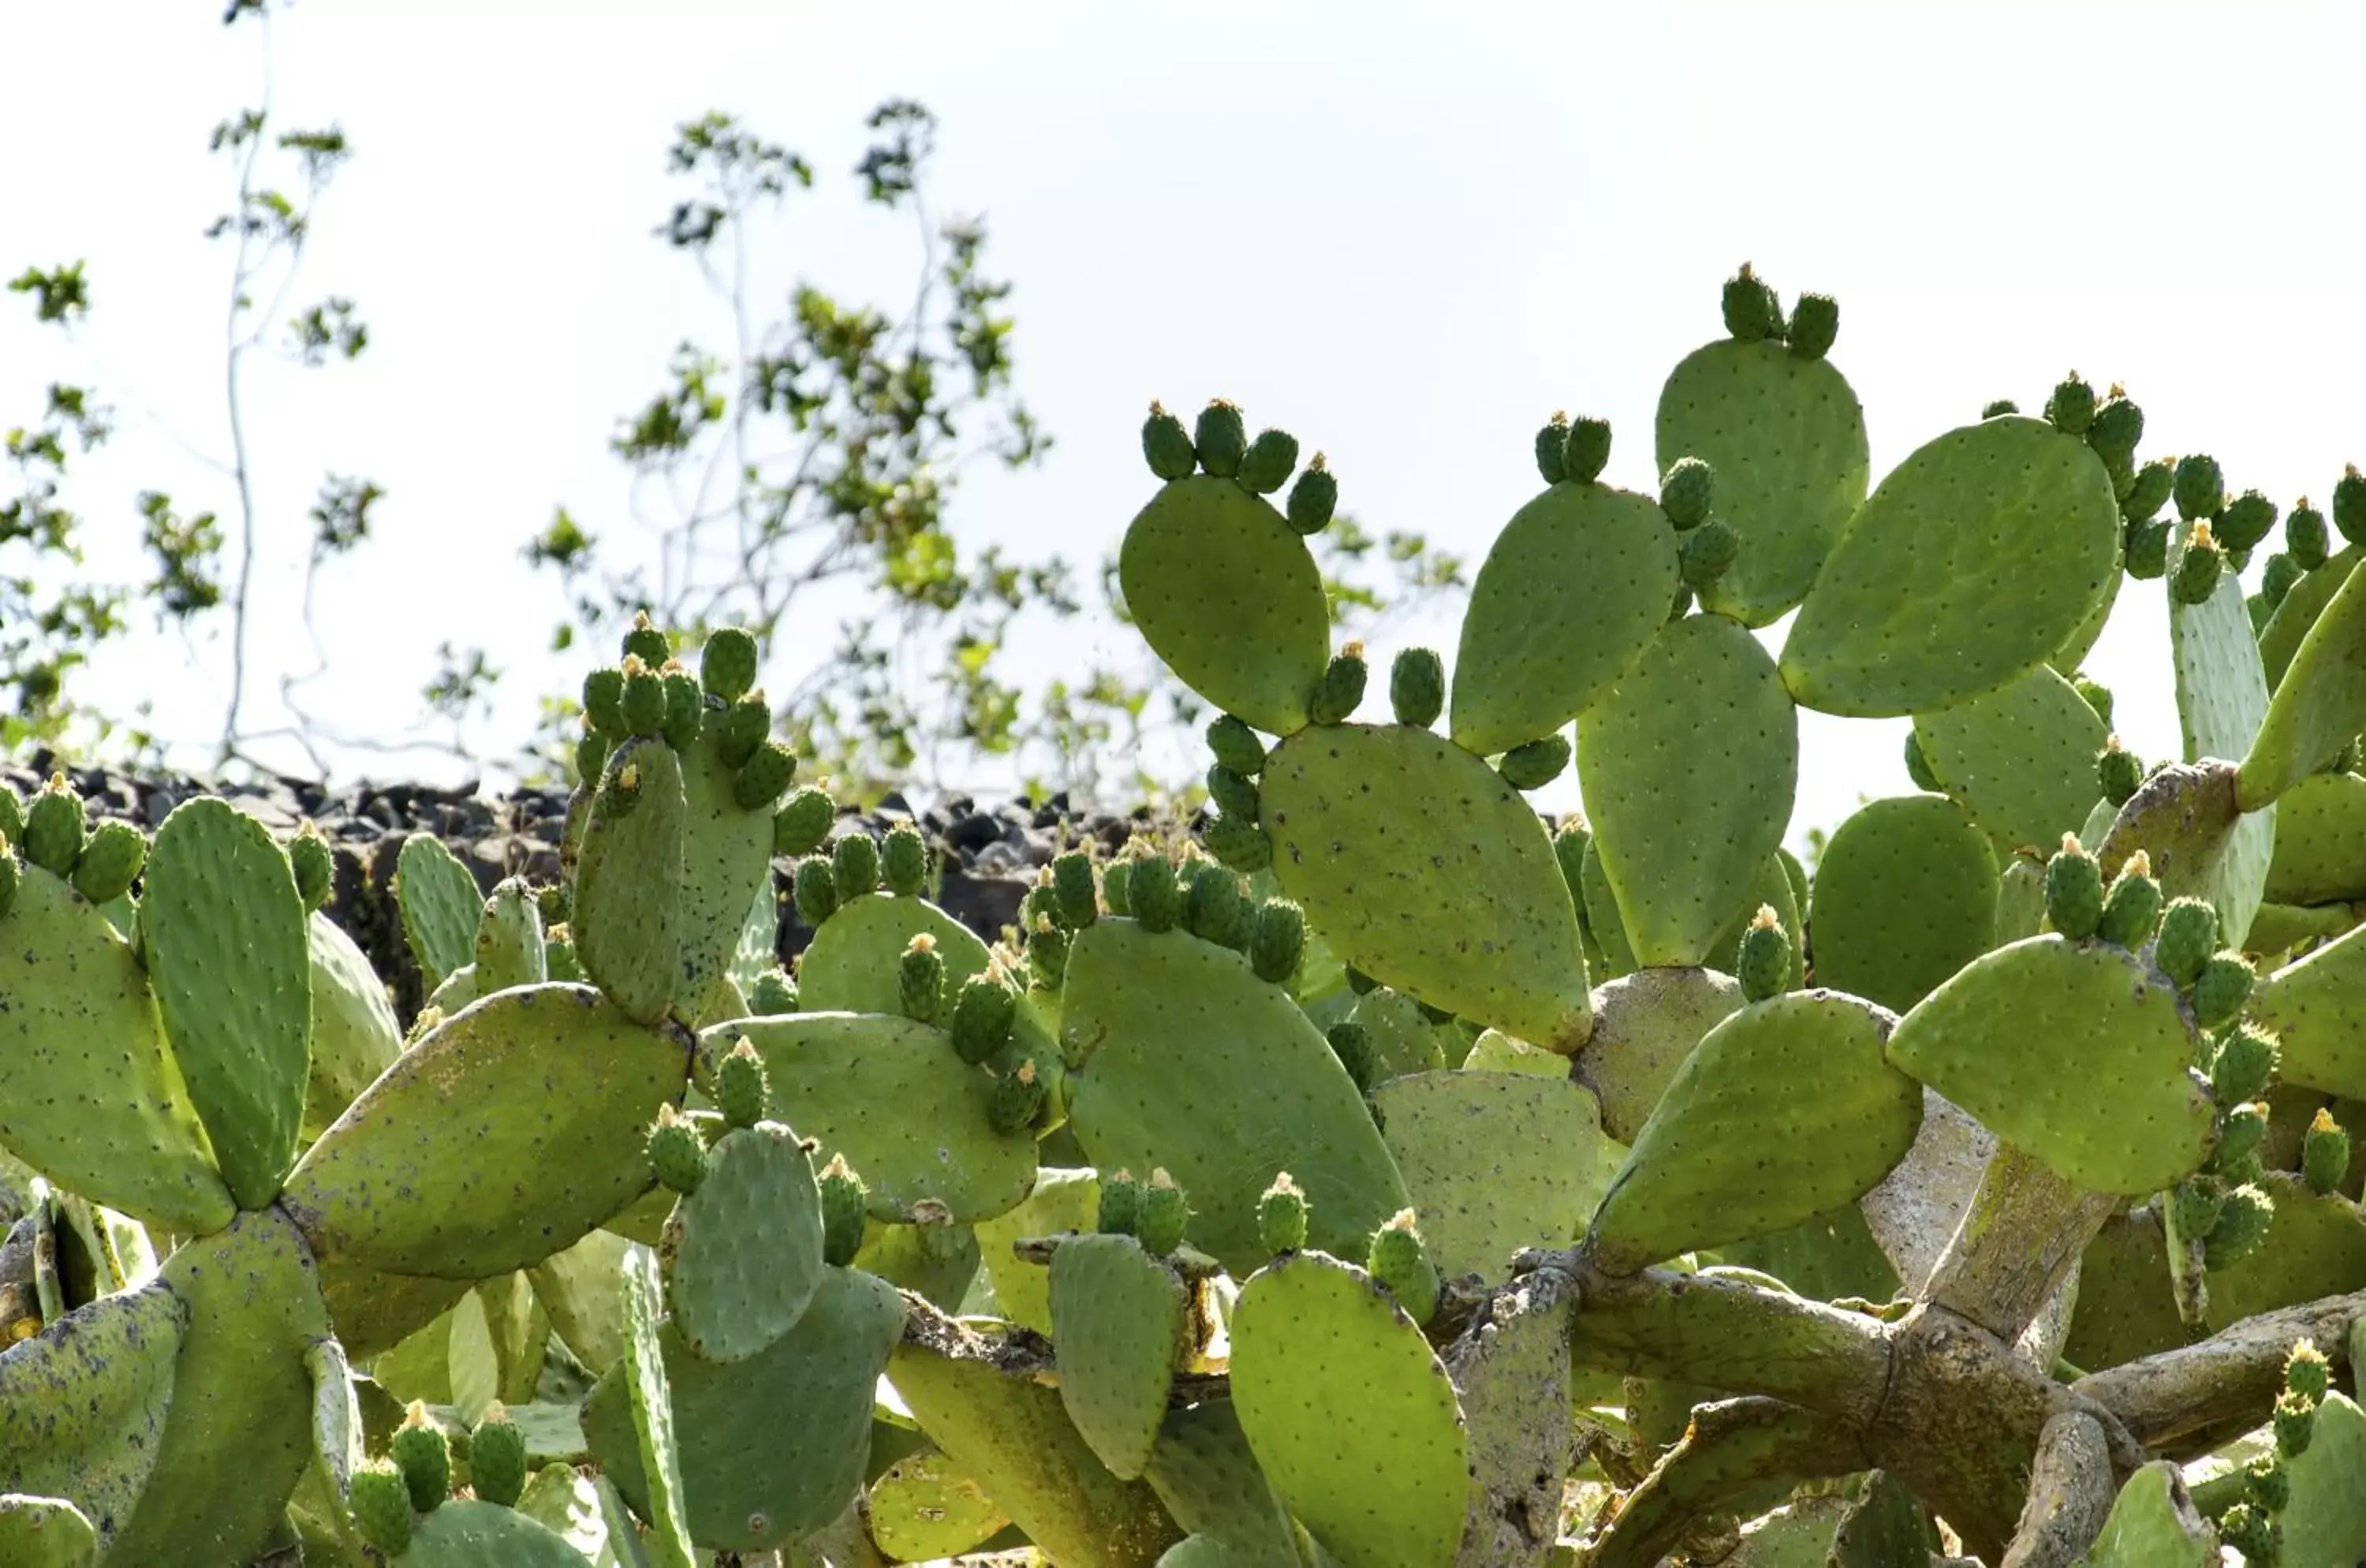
(628, 906)
(1230, 598)
(1424, 869)
(1975, 560)
(2316, 1007)
(1905, 895)
(1117, 1315)
(2319, 706)
(1494, 1162)
(2075, 1053)
(1786, 438)
(1688, 768)
(851, 964)
(2022, 759)
(730, 1298)
(1571, 590)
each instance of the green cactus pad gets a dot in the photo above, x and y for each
(2316, 1247)
(1402, 1039)
(1786, 438)
(730, 1300)
(1784, 1110)
(2320, 851)
(1117, 1315)
(222, 934)
(440, 903)
(1494, 1162)
(1974, 561)
(581, 1290)
(84, 1403)
(649, 1399)
(851, 965)
(241, 1396)
(1645, 1025)
(1225, 591)
(2125, 1308)
(1606, 929)
(465, 1533)
(2222, 697)
(1014, 1436)
(751, 1479)
(44, 1532)
(354, 1035)
(2319, 706)
(627, 918)
(1688, 768)
(2324, 1523)
(925, 1506)
(1574, 588)
(2152, 1525)
(2200, 844)
(1202, 1470)
(462, 1161)
(726, 862)
(1064, 1200)
(1416, 863)
(1314, 1337)
(935, 1262)
(2316, 1010)
(511, 948)
(1193, 1064)
(889, 1095)
(2021, 759)
(2076, 1053)
(2281, 638)
(1772, 889)
(90, 1095)
(1905, 895)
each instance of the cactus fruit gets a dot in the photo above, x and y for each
(815, 890)
(2308, 1376)
(904, 862)
(55, 827)
(603, 703)
(2072, 407)
(645, 642)
(380, 1499)
(741, 729)
(2244, 1061)
(1751, 313)
(2349, 505)
(1120, 1205)
(2221, 989)
(2241, 1129)
(1234, 795)
(2132, 907)
(1166, 445)
(1281, 1217)
(420, 1451)
(1398, 1261)
(2277, 579)
(1814, 322)
(1221, 439)
(2295, 1420)
(110, 861)
(677, 1152)
(1047, 958)
(2189, 934)
(1278, 941)
(921, 979)
(800, 826)
(1312, 498)
(1352, 1043)
(1018, 1097)
(2074, 891)
(1416, 687)
(2148, 549)
(2307, 541)
(1239, 843)
(2198, 489)
(1708, 553)
(2151, 491)
(741, 1092)
(1552, 446)
(2198, 1201)
(1269, 461)
(12, 815)
(1341, 689)
(1586, 450)
(1072, 883)
(1763, 962)
(773, 994)
(1150, 889)
(2198, 567)
(643, 701)
(2324, 1153)
(2246, 520)
(1215, 910)
(497, 1458)
(843, 1203)
(760, 780)
(2242, 1226)
(984, 1010)
(1536, 764)
(1997, 408)
(314, 865)
(1686, 491)
(10, 876)
(2119, 772)
(1236, 746)
(1162, 1215)
(2250, 1531)
(685, 711)
(726, 666)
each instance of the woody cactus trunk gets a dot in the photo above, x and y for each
(1385, 1178)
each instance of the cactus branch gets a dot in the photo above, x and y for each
(2022, 1233)
(2231, 1377)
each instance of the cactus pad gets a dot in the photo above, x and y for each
(84, 1403)
(466, 1533)
(2324, 1523)
(731, 1300)
(1645, 1025)
(851, 965)
(1118, 1317)
(2222, 697)
(1494, 1162)
(1312, 1336)
(2319, 706)
(627, 918)
(2316, 1246)
(463, 1162)
(2316, 1008)
(726, 864)
(44, 1532)
(1784, 1110)
(2021, 759)
(925, 1506)
(2125, 1308)
(1786, 438)
(1574, 588)
(1975, 560)
(649, 1399)
(1202, 1470)
(2076, 1053)
(354, 1035)
(2152, 1525)
(1416, 863)
(1688, 768)
(2286, 629)
(1905, 895)
(440, 905)
(2320, 851)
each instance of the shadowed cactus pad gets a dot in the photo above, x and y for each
(2021, 759)
(1117, 1318)
(1494, 1162)
(1645, 1025)
(1905, 895)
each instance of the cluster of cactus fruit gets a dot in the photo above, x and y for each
(1382, 1177)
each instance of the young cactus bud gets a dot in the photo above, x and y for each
(2240, 1131)
(799, 827)
(2246, 520)
(1150, 888)
(2189, 934)
(1166, 445)
(2096, 695)
(2307, 539)
(983, 1015)
(1047, 958)
(2074, 890)
(1281, 1217)
(2199, 568)
(677, 1152)
(1352, 1043)
(644, 703)
(741, 1092)
(2148, 549)
(775, 994)
(1075, 898)
(1997, 408)
(2221, 989)
(646, 643)
(758, 784)
(2071, 409)
(379, 1500)
(420, 1451)
(1552, 447)
(2133, 907)
(843, 1201)
(1165, 1214)
(2349, 505)
(1239, 843)
(2198, 489)
(920, 979)
(1814, 322)
(727, 667)
(2277, 579)
(1536, 764)
(1341, 689)
(2308, 1376)
(741, 729)
(2118, 426)
(603, 703)
(110, 861)
(2250, 1531)
(2245, 1061)
(2242, 1225)
(2324, 1153)
(1214, 910)
(2197, 1201)
(854, 864)
(315, 866)
(816, 891)
(1918, 767)
(55, 827)
(1417, 688)
(1236, 747)
(1278, 941)
(1017, 1101)
(10, 874)
(1221, 439)
(685, 710)
(1398, 1260)
(497, 1458)
(1763, 962)
(1751, 313)
(1120, 1205)
(1234, 795)
(2119, 772)
(1312, 498)
(1707, 554)
(1269, 461)
(2150, 491)
(1685, 492)
(1117, 879)
(1568, 852)
(2294, 1420)
(12, 815)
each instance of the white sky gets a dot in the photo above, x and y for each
(1402, 238)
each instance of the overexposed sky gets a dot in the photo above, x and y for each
(1404, 233)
